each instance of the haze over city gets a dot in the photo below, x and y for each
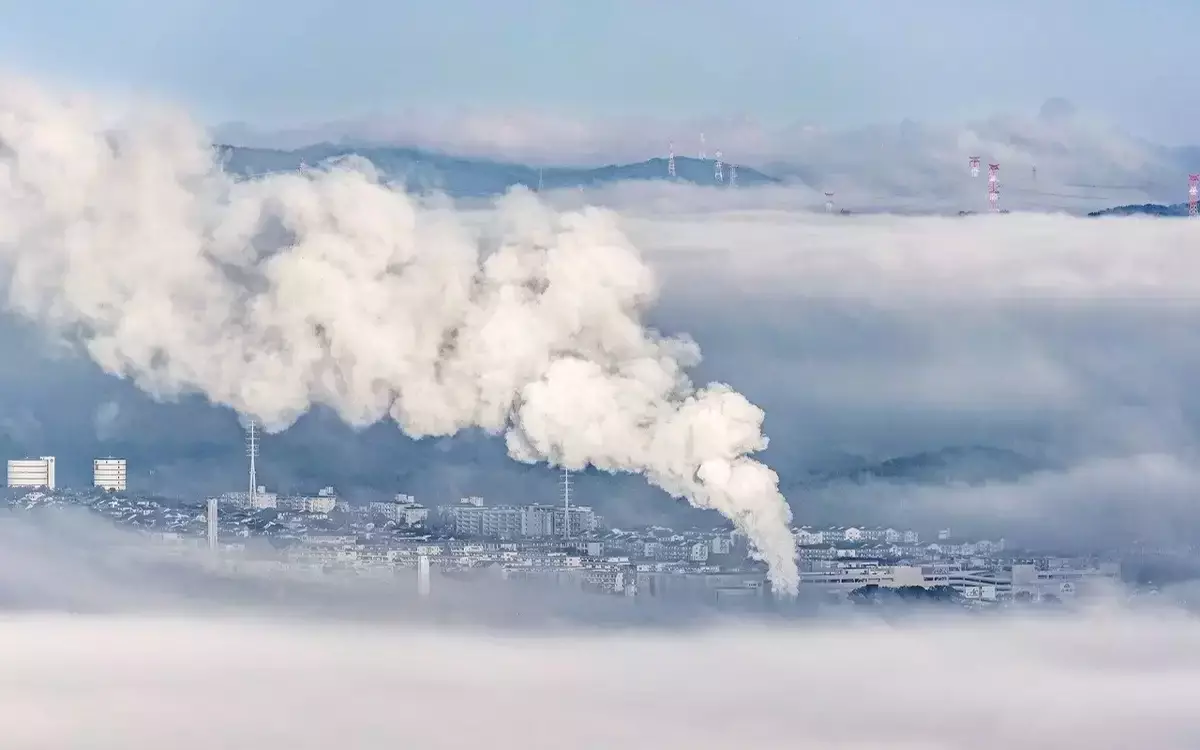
(639, 375)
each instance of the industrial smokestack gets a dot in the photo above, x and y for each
(423, 575)
(279, 293)
(212, 524)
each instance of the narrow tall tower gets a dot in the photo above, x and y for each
(973, 162)
(718, 173)
(539, 179)
(252, 452)
(566, 493)
(1193, 193)
(423, 575)
(733, 175)
(703, 148)
(212, 524)
(671, 161)
(993, 188)
(828, 201)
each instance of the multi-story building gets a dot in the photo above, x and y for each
(581, 521)
(263, 499)
(31, 472)
(109, 474)
(403, 509)
(470, 517)
(538, 520)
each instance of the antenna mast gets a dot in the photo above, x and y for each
(1193, 191)
(973, 162)
(732, 175)
(252, 452)
(993, 188)
(539, 179)
(566, 493)
(718, 175)
(828, 201)
(703, 149)
(671, 161)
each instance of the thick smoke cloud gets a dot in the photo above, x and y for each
(277, 294)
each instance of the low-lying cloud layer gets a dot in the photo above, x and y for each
(1058, 156)
(1113, 680)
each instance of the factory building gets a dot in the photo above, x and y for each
(109, 474)
(31, 472)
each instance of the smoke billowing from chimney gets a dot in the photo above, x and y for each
(272, 295)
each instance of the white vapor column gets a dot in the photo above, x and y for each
(275, 294)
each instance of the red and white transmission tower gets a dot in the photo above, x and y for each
(973, 162)
(671, 161)
(1193, 193)
(993, 187)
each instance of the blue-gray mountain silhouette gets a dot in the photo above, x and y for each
(473, 178)
(955, 464)
(1144, 209)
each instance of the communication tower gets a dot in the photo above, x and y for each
(252, 452)
(718, 175)
(1193, 191)
(703, 148)
(732, 175)
(671, 161)
(993, 187)
(566, 493)
(973, 162)
(828, 201)
(539, 179)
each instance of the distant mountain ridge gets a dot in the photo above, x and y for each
(475, 178)
(1144, 209)
(951, 465)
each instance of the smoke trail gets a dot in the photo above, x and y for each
(274, 294)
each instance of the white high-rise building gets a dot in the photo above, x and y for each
(31, 472)
(109, 474)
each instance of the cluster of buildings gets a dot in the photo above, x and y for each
(110, 474)
(567, 544)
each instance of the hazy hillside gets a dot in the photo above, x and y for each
(958, 464)
(423, 170)
(1147, 209)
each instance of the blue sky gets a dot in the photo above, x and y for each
(836, 63)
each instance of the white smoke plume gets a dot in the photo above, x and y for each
(277, 294)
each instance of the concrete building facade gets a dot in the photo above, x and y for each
(110, 474)
(32, 472)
